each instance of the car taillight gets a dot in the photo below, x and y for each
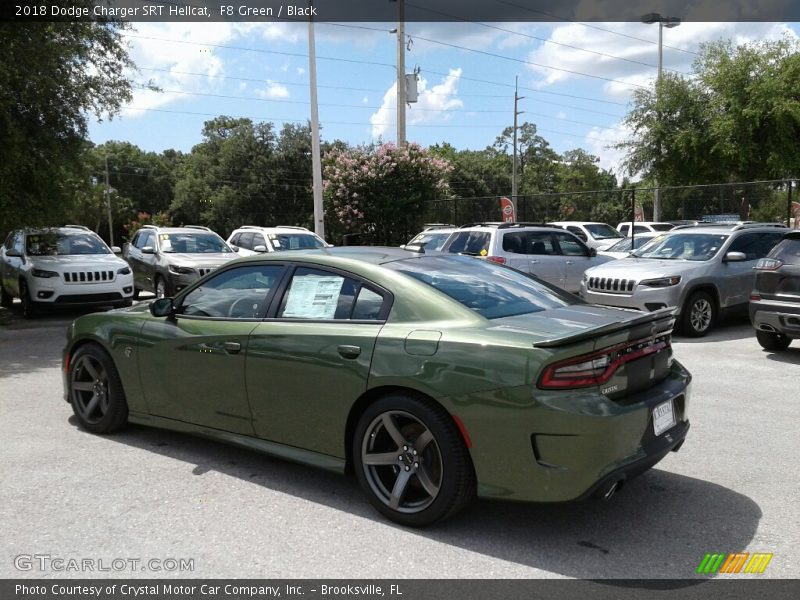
(755, 297)
(768, 264)
(497, 259)
(597, 368)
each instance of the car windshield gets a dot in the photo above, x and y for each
(431, 241)
(601, 231)
(193, 243)
(489, 289)
(53, 243)
(294, 241)
(682, 246)
(621, 246)
(474, 243)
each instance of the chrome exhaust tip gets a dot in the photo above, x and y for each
(765, 327)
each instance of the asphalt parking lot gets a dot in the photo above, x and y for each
(151, 494)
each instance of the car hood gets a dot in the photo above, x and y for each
(604, 244)
(643, 268)
(191, 260)
(78, 261)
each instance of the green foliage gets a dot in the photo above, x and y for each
(382, 192)
(52, 75)
(738, 119)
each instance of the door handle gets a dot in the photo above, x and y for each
(231, 347)
(349, 351)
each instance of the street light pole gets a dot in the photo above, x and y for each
(401, 74)
(668, 22)
(316, 159)
(517, 98)
(108, 208)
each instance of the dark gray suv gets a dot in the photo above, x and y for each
(775, 301)
(164, 260)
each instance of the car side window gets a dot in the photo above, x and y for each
(246, 241)
(320, 295)
(577, 231)
(235, 239)
(749, 244)
(144, 238)
(514, 242)
(9, 243)
(768, 242)
(640, 229)
(624, 229)
(238, 293)
(258, 240)
(369, 305)
(569, 246)
(540, 242)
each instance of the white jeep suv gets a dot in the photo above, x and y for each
(62, 266)
(252, 239)
(547, 251)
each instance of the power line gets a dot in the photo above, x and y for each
(541, 39)
(619, 33)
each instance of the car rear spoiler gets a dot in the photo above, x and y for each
(658, 315)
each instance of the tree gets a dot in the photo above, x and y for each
(52, 75)
(382, 192)
(737, 119)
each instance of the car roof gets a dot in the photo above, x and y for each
(375, 255)
(278, 228)
(66, 229)
(578, 223)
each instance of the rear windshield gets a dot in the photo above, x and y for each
(601, 231)
(429, 241)
(474, 243)
(491, 290)
(787, 250)
(193, 243)
(50, 244)
(294, 241)
(683, 246)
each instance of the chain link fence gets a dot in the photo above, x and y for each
(748, 201)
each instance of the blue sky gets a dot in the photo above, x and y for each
(576, 79)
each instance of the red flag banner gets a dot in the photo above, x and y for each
(507, 210)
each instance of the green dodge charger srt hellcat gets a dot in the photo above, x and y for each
(432, 378)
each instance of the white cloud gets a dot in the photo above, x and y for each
(301, 71)
(274, 91)
(431, 106)
(365, 100)
(561, 115)
(600, 142)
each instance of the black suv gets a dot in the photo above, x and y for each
(165, 260)
(775, 301)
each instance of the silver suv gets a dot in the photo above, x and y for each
(700, 271)
(547, 251)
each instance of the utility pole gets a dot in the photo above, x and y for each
(108, 208)
(316, 161)
(517, 98)
(401, 74)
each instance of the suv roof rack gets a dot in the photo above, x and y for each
(201, 227)
(752, 224)
(500, 225)
(429, 226)
(83, 227)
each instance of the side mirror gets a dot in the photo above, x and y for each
(735, 257)
(592, 252)
(116, 249)
(260, 248)
(148, 250)
(163, 307)
(234, 248)
(14, 252)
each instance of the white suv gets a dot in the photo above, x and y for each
(62, 266)
(252, 239)
(547, 251)
(599, 236)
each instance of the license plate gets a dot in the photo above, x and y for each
(663, 417)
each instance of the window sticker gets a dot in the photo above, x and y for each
(164, 236)
(313, 297)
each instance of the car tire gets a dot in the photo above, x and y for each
(411, 461)
(135, 293)
(95, 390)
(6, 299)
(699, 315)
(161, 288)
(30, 308)
(772, 340)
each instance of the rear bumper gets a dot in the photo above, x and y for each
(777, 316)
(562, 446)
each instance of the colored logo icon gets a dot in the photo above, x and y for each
(738, 562)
